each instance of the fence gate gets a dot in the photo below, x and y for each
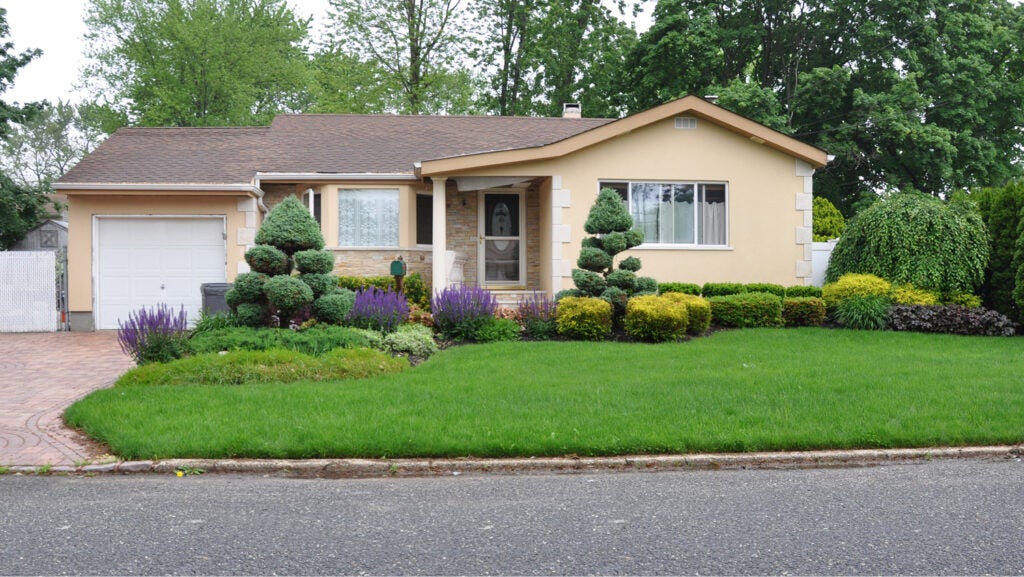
(33, 291)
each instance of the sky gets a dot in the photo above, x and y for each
(56, 27)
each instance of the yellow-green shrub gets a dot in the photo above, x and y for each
(906, 294)
(853, 284)
(655, 319)
(698, 311)
(584, 318)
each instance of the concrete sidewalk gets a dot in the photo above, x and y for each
(40, 375)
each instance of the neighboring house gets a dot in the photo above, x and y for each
(50, 235)
(493, 201)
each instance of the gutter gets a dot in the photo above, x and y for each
(251, 189)
(332, 176)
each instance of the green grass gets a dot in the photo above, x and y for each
(748, 390)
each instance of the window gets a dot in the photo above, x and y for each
(424, 219)
(676, 212)
(368, 217)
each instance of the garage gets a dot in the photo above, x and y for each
(145, 261)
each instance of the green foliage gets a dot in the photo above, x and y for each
(590, 283)
(916, 239)
(290, 227)
(412, 341)
(1002, 210)
(655, 319)
(951, 319)
(265, 366)
(803, 291)
(268, 260)
(803, 311)
(630, 263)
(196, 62)
(775, 289)
(852, 284)
(584, 318)
(248, 288)
(646, 285)
(594, 259)
(963, 299)
(609, 214)
(416, 291)
(20, 211)
(314, 261)
(866, 312)
(908, 295)
(615, 242)
(828, 221)
(287, 293)
(679, 287)
(746, 310)
(207, 322)
(163, 348)
(316, 340)
(719, 289)
(358, 283)
(497, 330)
(333, 308)
(250, 314)
(698, 311)
(320, 284)
(622, 279)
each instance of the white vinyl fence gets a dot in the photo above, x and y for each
(28, 292)
(821, 252)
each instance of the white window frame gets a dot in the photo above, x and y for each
(696, 245)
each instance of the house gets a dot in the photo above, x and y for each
(493, 201)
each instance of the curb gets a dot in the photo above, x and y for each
(375, 468)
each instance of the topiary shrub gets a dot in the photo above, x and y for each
(268, 260)
(287, 294)
(803, 291)
(828, 221)
(248, 288)
(852, 284)
(291, 228)
(746, 310)
(803, 311)
(584, 318)
(917, 239)
(251, 314)
(698, 311)
(334, 307)
(314, 261)
(866, 312)
(679, 287)
(721, 289)
(320, 284)
(908, 295)
(763, 287)
(655, 319)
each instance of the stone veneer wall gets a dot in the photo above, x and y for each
(377, 261)
(805, 233)
(273, 194)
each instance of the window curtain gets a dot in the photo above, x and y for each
(368, 217)
(712, 223)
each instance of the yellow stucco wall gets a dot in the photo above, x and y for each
(763, 189)
(83, 207)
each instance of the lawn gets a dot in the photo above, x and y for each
(742, 390)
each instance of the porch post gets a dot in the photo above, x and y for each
(440, 237)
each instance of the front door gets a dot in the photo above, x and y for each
(501, 252)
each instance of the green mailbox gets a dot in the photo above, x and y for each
(398, 267)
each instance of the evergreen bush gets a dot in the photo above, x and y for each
(268, 260)
(803, 311)
(314, 261)
(803, 291)
(698, 311)
(828, 221)
(721, 289)
(1002, 209)
(763, 287)
(679, 287)
(746, 310)
(287, 294)
(584, 318)
(334, 307)
(853, 284)
(655, 319)
(290, 228)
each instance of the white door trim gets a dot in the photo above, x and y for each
(482, 240)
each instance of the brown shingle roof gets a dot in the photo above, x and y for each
(309, 143)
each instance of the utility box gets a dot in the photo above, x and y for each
(213, 297)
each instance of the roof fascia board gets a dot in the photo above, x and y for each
(155, 187)
(754, 131)
(322, 176)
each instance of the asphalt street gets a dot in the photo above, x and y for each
(951, 517)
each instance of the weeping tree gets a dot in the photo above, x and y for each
(612, 232)
(269, 295)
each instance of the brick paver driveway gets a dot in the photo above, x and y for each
(40, 375)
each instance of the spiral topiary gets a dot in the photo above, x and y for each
(291, 228)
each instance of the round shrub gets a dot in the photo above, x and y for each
(868, 312)
(593, 259)
(291, 228)
(333, 308)
(268, 260)
(249, 287)
(828, 221)
(630, 263)
(655, 319)
(589, 282)
(568, 293)
(232, 298)
(917, 239)
(698, 311)
(314, 261)
(646, 285)
(803, 311)
(287, 293)
(320, 284)
(747, 310)
(251, 315)
(908, 295)
(622, 279)
(853, 285)
(634, 237)
(614, 243)
(584, 318)
(411, 340)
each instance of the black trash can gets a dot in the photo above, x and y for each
(213, 297)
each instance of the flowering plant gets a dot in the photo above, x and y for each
(154, 335)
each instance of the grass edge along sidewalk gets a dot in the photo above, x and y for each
(736, 391)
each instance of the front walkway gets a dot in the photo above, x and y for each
(40, 375)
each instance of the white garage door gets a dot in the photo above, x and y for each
(142, 262)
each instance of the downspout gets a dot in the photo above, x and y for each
(258, 192)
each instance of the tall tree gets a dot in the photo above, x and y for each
(196, 62)
(508, 53)
(20, 208)
(908, 94)
(420, 45)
